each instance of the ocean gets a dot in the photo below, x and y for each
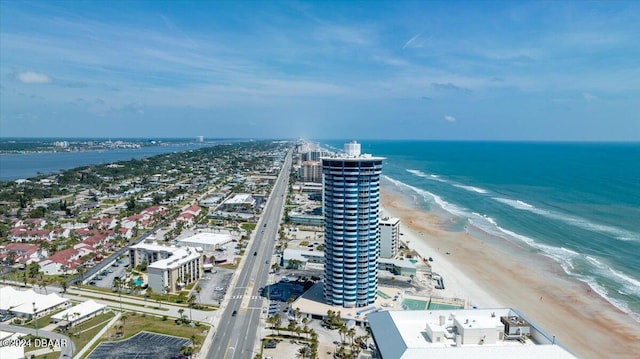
(578, 203)
(26, 165)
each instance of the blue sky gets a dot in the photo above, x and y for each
(454, 70)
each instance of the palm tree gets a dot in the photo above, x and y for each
(303, 352)
(198, 290)
(277, 321)
(342, 331)
(296, 313)
(123, 319)
(191, 301)
(351, 333)
(291, 326)
(181, 311)
(270, 320)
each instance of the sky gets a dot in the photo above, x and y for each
(425, 70)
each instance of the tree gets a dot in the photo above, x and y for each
(304, 352)
(81, 271)
(296, 313)
(33, 269)
(123, 319)
(198, 290)
(351, 333)
(181, 311)
(191, 301)
(63, 283)
(343, 332)
(277, 321)
(291, 326)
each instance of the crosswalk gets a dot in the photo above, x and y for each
(242, 297)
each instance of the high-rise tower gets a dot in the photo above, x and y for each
(351, 196)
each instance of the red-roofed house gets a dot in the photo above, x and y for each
(22, 234)
(22, 252)
(186, 219)
(194, 209)
(68, 257)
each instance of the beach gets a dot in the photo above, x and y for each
(490, 273)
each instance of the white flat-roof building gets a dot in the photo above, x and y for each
(243, 200)
(209, 242)
(389, 237)
(475, 333)
(23, 302)
(79, 313)
(184, 266)
(148, 252)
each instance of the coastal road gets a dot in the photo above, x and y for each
(236, 334)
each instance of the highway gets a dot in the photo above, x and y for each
(236, 334)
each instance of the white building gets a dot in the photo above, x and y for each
(389, 237)
(184, 266)
(25, 303)
(239, 202)
(79, 313)
(149, 253)
(209, 242)
(457, 334)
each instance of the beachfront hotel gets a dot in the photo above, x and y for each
(351, 196)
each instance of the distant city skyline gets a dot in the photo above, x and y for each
(508, 71)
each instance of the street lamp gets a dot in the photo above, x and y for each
(35, 319)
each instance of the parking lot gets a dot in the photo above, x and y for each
(214, 285)
(141, 345)
(105, 278)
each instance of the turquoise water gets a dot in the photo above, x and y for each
(414, 304)
(578, 203)
(138, 282)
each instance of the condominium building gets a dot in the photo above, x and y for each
(185, 266)
(389, 237)
(310, 171)
(148, 253)
(168, 268)
(351, 196)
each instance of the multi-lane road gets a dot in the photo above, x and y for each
(236, 333)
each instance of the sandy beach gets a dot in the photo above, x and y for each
(502, 274)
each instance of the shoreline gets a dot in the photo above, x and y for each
(494, 273)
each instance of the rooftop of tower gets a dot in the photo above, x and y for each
(352, 152)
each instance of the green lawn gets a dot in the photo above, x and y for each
(82, 333)
(135, 323)
(41, 321)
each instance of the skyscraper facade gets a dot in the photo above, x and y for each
(351, 196)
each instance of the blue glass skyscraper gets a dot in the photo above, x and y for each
(351, 196)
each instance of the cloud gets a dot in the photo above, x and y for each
(412, 42)
(449, 87)
(589, 97)
(450, 118)
(30, 77)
